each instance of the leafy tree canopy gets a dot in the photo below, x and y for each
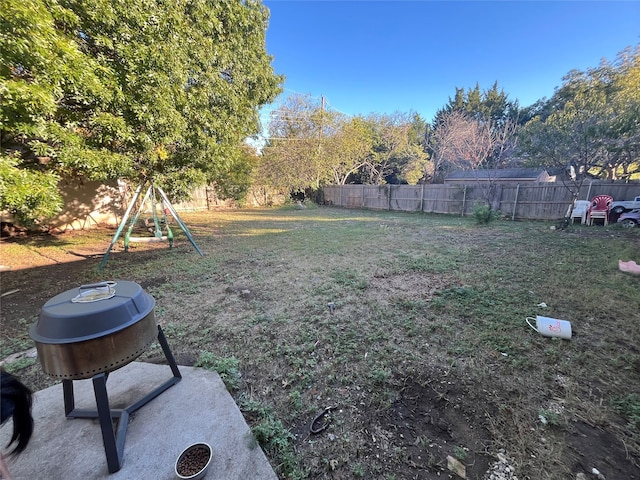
(349, 149)
(135, 89)
(492, 106)
(398, 149)
(493, 114)
(294, 157)
(591, 125)
(310, 146)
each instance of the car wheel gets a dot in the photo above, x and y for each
(628, 222)
(619, 209)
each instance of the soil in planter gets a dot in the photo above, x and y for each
(193, 461)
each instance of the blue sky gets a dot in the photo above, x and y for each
(388, 56)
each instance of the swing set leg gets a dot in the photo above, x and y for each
(121, 226)
(179, 221)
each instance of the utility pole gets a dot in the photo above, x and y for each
(321, 117)
(318, 161)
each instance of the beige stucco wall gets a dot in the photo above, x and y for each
(88, 203)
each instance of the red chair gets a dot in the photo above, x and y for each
(599, 208)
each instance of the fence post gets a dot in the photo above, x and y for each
(363, 199)
(422, 197)
(388, 197)
(515, 203)
(497, 202)
(464, 200)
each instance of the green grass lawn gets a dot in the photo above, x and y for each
(426, 354)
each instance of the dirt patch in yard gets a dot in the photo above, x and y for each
(437, 417)
(409, 287)
(49, 264)
(592, 446)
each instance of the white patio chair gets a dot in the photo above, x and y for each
(580, 210)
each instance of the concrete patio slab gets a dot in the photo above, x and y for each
(197, 409)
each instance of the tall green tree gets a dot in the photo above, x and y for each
(398, 149)
(310, 146)
(491, 106)
(590, 128)
(493, 112)
(349, 149)
(293, 158)
(135, 89)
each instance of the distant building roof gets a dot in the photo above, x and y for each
(501, 175)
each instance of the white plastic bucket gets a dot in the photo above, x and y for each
(551, 327)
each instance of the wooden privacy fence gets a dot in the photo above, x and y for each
(542, 201)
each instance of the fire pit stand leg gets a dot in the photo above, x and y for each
(113, 448)
(114, 439)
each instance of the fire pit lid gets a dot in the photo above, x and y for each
(91, 311)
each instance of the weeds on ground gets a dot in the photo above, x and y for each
(227, 368)
(273, 437)
(18, 365)
(629, 407)
(483, 214)
(460, 453)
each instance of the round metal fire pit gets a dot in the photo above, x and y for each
(94, 329)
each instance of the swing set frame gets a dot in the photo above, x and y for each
(157, 223)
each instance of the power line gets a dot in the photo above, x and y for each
(339, 111)
(321, 98)
(291, 116)
(290, 139)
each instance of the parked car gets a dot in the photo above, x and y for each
(630, 219)
(623, 206)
